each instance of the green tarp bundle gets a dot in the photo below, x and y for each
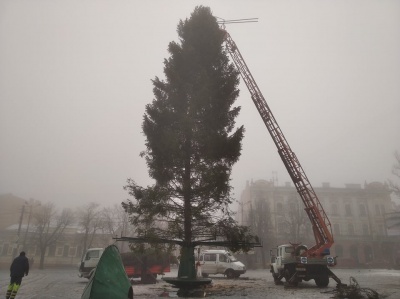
(109, 279)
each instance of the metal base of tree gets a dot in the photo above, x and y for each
(187, 281)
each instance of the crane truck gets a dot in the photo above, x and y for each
(294, 262)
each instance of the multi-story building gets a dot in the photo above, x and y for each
(357, 215)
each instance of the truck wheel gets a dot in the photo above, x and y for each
(322, 281)
(230, 274)
(275, 276)
(288, 274)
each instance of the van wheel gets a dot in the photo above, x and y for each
(205, 275)
(230, 274)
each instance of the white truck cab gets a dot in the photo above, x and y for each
(215, 261)
(292, 263)
(89, 261)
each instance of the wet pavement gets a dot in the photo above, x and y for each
(65, 284)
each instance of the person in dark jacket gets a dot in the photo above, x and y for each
(19, 268)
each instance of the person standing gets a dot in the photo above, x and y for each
(18, 268)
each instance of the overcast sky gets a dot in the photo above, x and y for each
(75, 77)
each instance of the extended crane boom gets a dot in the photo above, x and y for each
(319, 220)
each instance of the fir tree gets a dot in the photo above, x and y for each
(191, 141)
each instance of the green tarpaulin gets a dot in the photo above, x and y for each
(109, 279)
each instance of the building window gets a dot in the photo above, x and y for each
(377, 211)
(354, 253)
(335, 210)
(382, 210)
(368, 253)
(336, 229)
(4, 249)
(72, 252)
(66, 250)
(351, 229)
(363, 210)
(339, 250)
(348, 209)
(59, 251)
(380, 230)
(10, 250)
(79, 250)
(52, 250)
(365, 229)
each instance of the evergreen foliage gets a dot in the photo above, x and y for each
(191, 140)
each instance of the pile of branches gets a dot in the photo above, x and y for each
(354, 291)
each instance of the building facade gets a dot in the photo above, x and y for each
(357, 214)
(17, 233)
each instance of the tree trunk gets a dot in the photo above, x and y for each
(85, 237)
(187, 268)
(41, 262)
(264, 263)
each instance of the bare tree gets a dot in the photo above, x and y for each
(260, 222)
(89, 220)
(49, 227)
(294, 219)
(116, 223)
(395, 187)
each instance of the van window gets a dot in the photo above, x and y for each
(210, 257)
(223, 258)
(231, 257)
(92, 254)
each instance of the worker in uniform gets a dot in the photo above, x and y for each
(19, 268)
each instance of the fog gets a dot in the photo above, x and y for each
(75, 77)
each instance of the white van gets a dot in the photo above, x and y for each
(89, 261)
(220, 262)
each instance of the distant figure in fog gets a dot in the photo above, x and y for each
(19, 268)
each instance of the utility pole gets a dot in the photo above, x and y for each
(21, 217)
(27, 228)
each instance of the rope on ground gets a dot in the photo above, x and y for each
(354, 291)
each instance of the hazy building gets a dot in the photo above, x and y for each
(357, 215)
(18, 232)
